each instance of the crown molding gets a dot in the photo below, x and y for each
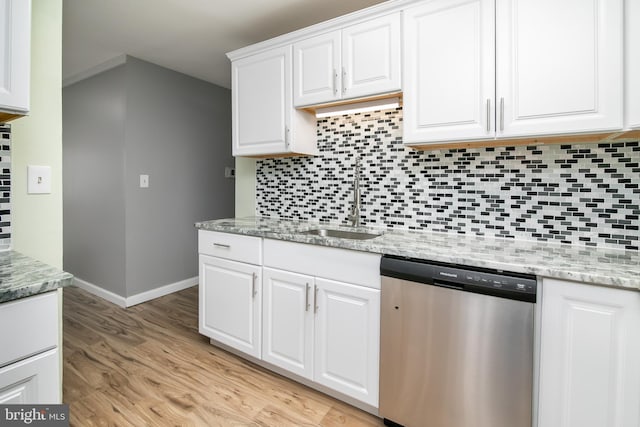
(371, 12)
(90, 72)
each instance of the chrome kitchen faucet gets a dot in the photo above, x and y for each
(354, 217)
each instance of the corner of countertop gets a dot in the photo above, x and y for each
(22, 276)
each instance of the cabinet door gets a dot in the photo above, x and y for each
(287, 339)
(371, 57)
(261, 102)
(347, 339)
(449, 81)
(230, 303)
(558, 66)
(632, 63)
(35, 380)
(15, 52)
(590, 347)
(316, 68)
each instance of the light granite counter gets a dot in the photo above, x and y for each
(21, 276)
(606, 267)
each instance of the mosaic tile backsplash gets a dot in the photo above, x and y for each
(575, 194)
(5, 187)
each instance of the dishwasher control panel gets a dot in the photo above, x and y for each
(517, 286)
(485, 279)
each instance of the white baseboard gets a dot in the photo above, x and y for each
(138, 298)
(100, 292)
(161, 291)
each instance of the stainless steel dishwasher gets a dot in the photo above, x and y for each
(456, 345)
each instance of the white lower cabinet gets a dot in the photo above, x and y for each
(230, 303)
(347, 339)
(311, 311)
(288, 321)
(30, 336)
(323, 330)
(590, 347)
(321, 311)
(33, 380)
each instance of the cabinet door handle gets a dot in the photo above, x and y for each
(222, 245)
(344, 80)
(335, 81)
(315, 299)
(501, 114)
(253, 284)
(306, 298)
(488, 115)
(286, 136)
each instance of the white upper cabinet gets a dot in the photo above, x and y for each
(449, 81)
(632, 63)
(360, 60)
(263, 119)
(485, 69)
(317, 68)
(559, 66)
(590, 347)
(371, 57)
(15, 54)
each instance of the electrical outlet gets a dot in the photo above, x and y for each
(38, 179)
(144, 181)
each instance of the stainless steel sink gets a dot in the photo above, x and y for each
(342, 234)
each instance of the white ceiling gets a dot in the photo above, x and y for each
(190, 36)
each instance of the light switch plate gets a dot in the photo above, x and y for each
(144, 181)
(38, 179)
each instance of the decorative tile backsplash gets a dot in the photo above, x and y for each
(577, 194)
(5, 187)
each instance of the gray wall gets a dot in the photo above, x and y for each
(177, 130)
(93, 112)
(179, 133)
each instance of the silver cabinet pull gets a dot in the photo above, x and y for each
(315, 299)
(501, 114)
(222, 245)
(253, 284)
(335, 81)
(286, 136)
(344, 80)
(488, 115)
(306, 298)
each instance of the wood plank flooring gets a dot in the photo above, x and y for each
(148, 366)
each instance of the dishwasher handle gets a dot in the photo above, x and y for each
(449, 285)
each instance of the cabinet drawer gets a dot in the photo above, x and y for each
(358, 268)
(29, 326)
(230, 246)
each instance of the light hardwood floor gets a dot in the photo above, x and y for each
(148, 366)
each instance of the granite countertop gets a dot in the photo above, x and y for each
(21, 276)
(606, 267)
